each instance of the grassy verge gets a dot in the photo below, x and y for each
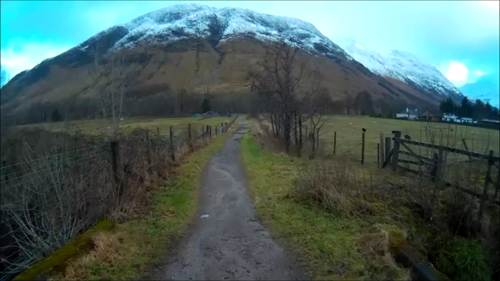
(138, 243)
(326, 241)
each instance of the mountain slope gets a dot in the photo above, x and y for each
(485, 89)
(403, 66)
(189, 48)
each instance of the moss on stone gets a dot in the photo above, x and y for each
(58, 260)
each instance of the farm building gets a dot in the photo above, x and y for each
(409, 114)
(467, 120)
(426, 115)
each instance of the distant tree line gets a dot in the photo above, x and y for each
(163, 103)
(169, 102)
(477, 109)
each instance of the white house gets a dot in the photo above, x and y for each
(409, 114)
(450, 117)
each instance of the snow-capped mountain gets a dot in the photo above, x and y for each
(401, 65)
(187, 21)
(189, 47)
(485, 89)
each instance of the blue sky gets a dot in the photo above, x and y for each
(460, 38)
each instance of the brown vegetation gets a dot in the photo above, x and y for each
(436, 217)
(56, 185)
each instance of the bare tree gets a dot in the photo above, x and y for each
(277, 83)
(109, 80)
(317, 100)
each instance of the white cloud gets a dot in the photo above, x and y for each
(491, 4)
(456, 72)
(18, 57)
(478, 72)
(459, 74)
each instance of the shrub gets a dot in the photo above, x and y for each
(375, 247)
(331, 186)
(463, 259)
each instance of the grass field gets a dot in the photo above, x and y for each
(128, 124)
(349, 137)
(326, 242)
(323, 231)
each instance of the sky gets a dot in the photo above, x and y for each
(460, 38)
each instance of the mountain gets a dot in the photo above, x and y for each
(3, 76)
(190, 48)
(402, 66)
(486, 88)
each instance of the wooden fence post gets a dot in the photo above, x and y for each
(148, 152)
(466, 148)
(216, 130)
(498, 184)
(117, 166)
(190, 138)
(334, 141)
(388, 148)
(434, 167)
(210, 131)
(440, 166)
(158, 130)
(378, 155)
(395, 150)
(171, 142)
(363, 146)
(381, 149)
(484, 197)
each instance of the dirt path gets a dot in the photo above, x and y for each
(227, 241)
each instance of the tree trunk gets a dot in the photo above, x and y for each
(317, 138)
(299, 146)
(273, 127)
(313, 144)
(295, 129)
(287, 131)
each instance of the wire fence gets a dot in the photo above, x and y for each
(57, 185)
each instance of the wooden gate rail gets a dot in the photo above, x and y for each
(435, 165)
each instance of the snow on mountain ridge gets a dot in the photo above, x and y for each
(401, 65)
(190, 20)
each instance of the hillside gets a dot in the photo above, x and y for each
(404, 67)
(191, 48)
